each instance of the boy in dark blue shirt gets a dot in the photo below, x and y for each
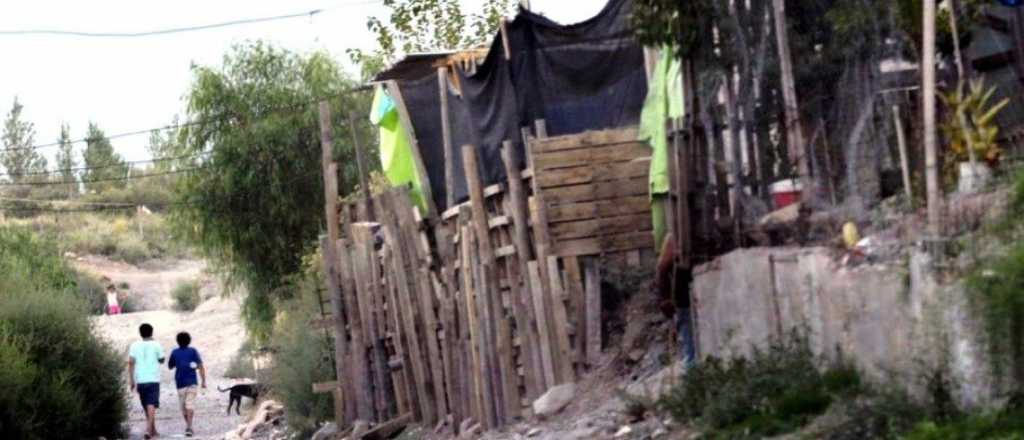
(185, 361)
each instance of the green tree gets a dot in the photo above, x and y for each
(427, 25)
(66, 161)
(18, 156)
(106, 168)
(255, 205)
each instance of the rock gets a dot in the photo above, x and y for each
(534, 432)
(660, 432)
(554, 400)
(327, 432)
(624, 431)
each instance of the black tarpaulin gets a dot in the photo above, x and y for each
(585, 76)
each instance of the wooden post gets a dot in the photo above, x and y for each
(364, 181)
(358, 353)
(930, 136)
(521, 238)
(901, 139)
(794, 130)
(490, 291)
(331, 262)
(417, 157)
(592, 275)
(504, 38)
(446, 136)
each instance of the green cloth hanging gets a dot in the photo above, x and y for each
(664, 101)
(395, 147)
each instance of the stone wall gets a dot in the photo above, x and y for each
(893, 320)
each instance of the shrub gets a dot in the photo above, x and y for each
(302, 356)
(240, 366)
(772, 392)
(186, 296)
(57, 379)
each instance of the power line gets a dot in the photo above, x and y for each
(223, 116)
(76, 202)
(111, 179)
(203, 27)
(101, 167)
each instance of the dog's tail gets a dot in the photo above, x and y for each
(223, 390)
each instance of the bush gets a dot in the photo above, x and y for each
(302, 356)
(92, 291)
(128, 238)
(241, 364)
(1006, 424)
(186, 296)
(772, 392)
(57, 379)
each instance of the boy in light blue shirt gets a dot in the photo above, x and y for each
(144, 359)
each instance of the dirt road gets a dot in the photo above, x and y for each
(216, 332)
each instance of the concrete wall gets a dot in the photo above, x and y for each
(893, 320)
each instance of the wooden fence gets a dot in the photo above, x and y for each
(465, 319)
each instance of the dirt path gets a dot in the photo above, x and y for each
(216, 332)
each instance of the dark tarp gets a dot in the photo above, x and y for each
(580, 77)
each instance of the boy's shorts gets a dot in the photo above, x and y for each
(149, 394)
(187, 397)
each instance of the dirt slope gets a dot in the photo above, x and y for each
(216, 332)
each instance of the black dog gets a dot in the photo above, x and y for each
(251, 391)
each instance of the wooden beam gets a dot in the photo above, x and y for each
(592, 326)
(417, 156)
(364, 181)
(559, 324)
(325, 387)
(446, 136)
(388, 429)
(517, 207)
(358, 354)
(330, 258)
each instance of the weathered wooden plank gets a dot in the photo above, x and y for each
(446, 137)
(586, 192)
(402, 378)
(357, 355)
(543, 328)
(601, 226)
(577, 309)
(388, 429)
(589, 138)
(596, 155)
(423, 399)
(559, 324)
(586, 174)
(367, 275)
(599, 209)
(418, 249)
(325, 387)
(482, 408)
(498, 221)
(600, 245)
(328, 244)
(516, 204)
(592, 324)
(493, 190)
(505, 251)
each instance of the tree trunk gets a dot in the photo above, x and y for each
(928, 99)
(794, 135)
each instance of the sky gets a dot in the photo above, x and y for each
(131, 84)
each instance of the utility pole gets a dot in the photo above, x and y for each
(794, 131)
(928, 97)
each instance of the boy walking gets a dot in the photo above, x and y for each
(185, 361)
(144, 359)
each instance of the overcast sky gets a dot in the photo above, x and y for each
(129, 84)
